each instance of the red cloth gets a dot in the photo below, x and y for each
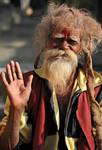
(84, 117)
(38, 140)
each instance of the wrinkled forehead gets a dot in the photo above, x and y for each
(73, 33)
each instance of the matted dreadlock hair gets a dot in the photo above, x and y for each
(61, 16)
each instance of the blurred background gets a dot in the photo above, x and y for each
(18, 20)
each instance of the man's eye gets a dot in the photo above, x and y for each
(71, 42)
(59, 40)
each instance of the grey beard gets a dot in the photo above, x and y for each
(58, 74)
(58, 66)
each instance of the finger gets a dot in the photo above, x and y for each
(19, 72)
(9, 73)
(29, 82)
(13, 68)
(3, 77)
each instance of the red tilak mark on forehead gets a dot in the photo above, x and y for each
(66, 33)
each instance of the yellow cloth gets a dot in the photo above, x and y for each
(25, 129)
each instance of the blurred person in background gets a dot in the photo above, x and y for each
(57, 105)
(16, 11)
(35, 7)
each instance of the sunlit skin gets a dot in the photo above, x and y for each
(14, 82)
(65, 40)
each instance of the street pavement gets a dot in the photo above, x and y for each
(16, 40)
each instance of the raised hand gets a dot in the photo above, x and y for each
(13, 81)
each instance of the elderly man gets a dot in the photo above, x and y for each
(57, 106)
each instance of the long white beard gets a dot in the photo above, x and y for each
(59, 69)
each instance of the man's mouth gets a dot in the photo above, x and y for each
(55, 57)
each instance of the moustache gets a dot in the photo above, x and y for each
(54, 54)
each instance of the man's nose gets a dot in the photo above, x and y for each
(64, 45)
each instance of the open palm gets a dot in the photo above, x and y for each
(17, 91)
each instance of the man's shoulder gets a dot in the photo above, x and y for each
(97, 78)
(37, 80)
(81, 80)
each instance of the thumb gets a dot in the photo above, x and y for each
(29, 83)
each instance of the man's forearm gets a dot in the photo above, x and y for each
(10, 137)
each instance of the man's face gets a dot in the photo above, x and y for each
(61, 58)
(65, 40)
